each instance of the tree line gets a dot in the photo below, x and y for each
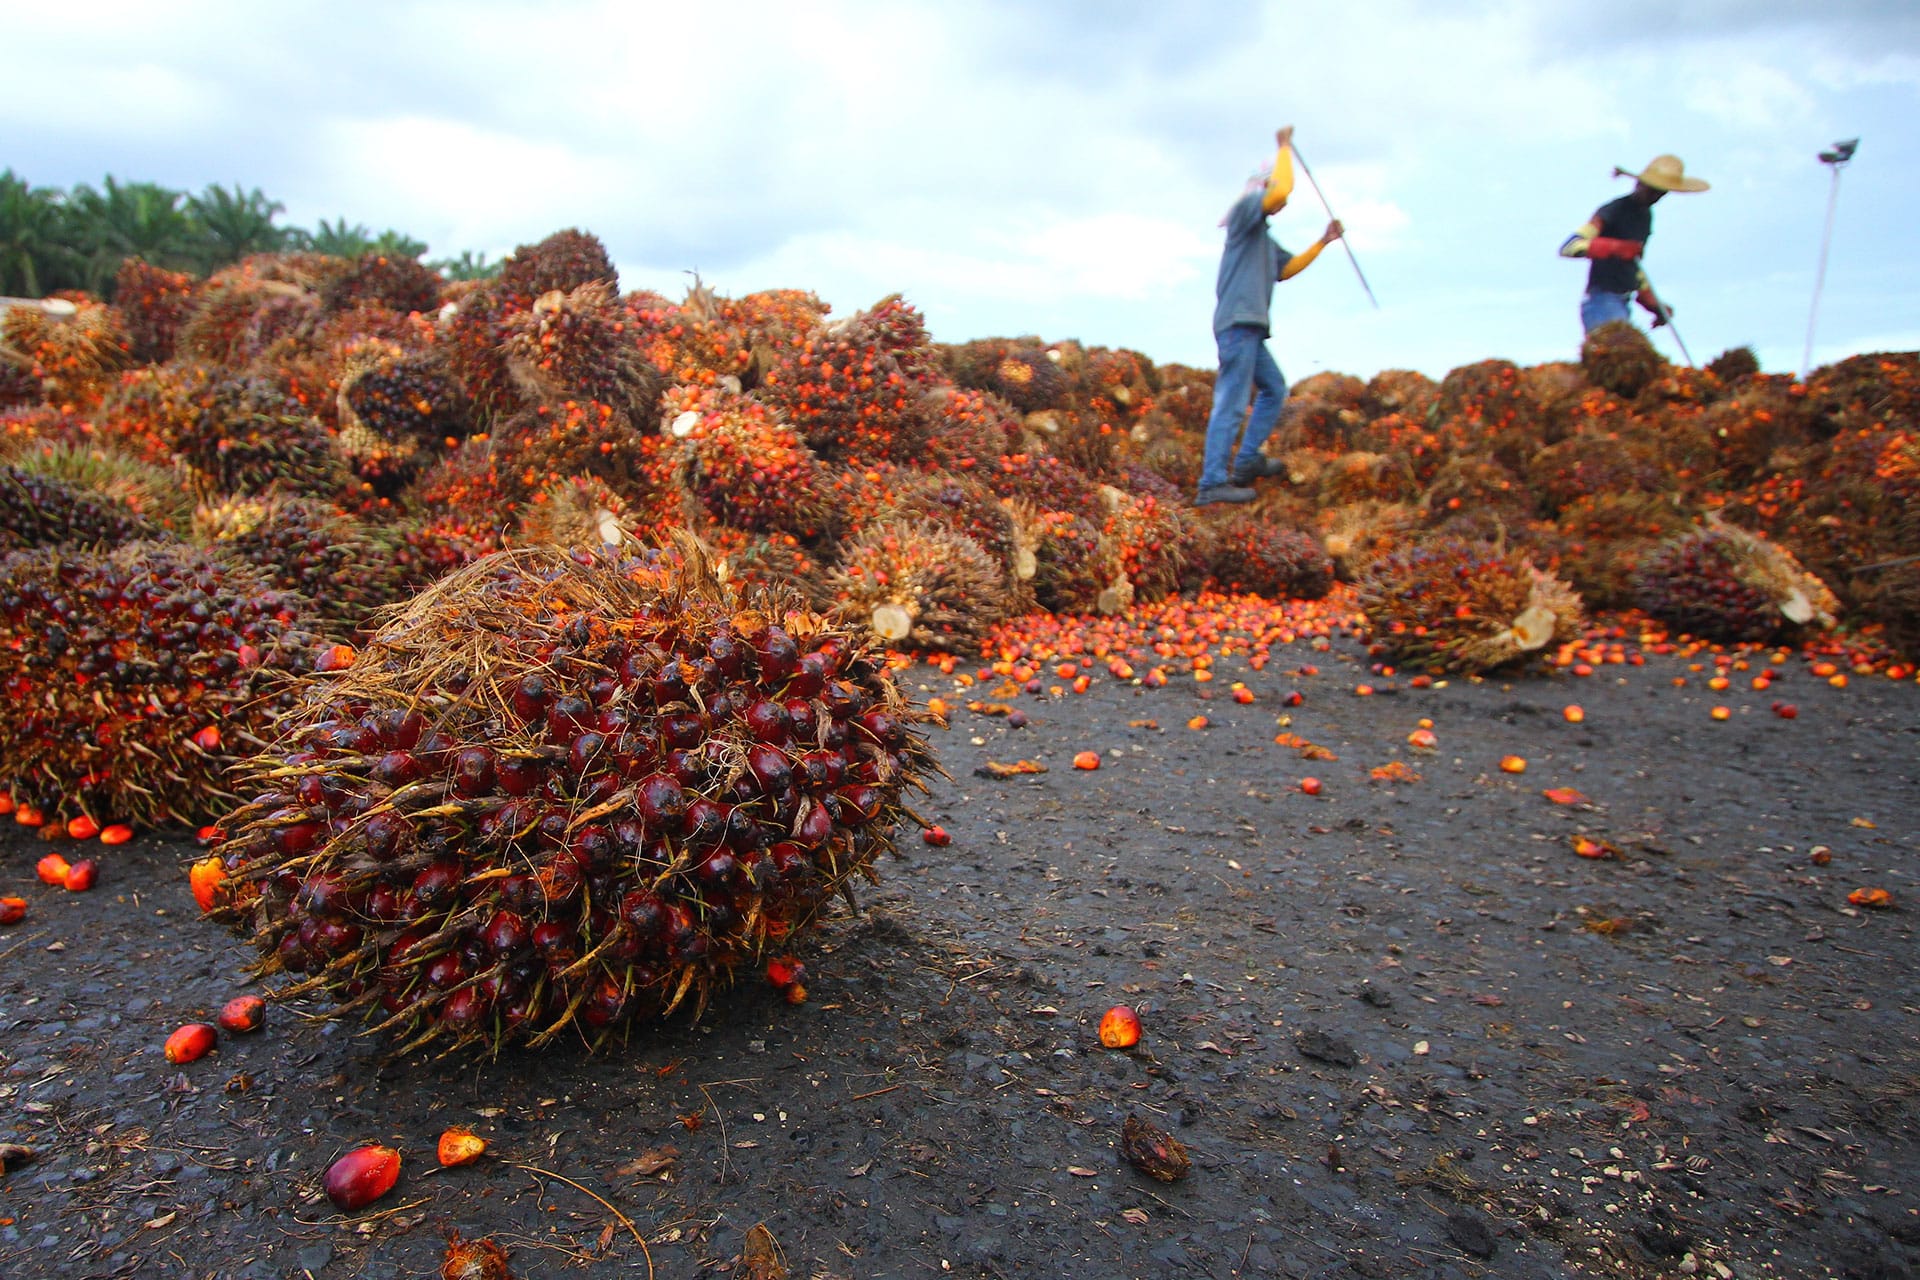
(52, 239)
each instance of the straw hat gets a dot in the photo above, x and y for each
(1666, 173)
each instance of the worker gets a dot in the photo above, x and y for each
(1615, 237)
(1249, 266)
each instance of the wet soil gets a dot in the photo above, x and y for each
(1400, 1027)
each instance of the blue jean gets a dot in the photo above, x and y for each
(1598, 308)
(1246, 368)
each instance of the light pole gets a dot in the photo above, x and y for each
(1835, 158)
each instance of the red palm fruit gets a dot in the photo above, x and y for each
(464, 1010)
(118, 833)
(190, 1042)
(519, 776)
(661, 799)
(458, 1146)
(52, 869)
(437, 882)
(784, 971)
(80, 876)
(444, 971)
(936, 836)
(506, 934)
(397, 768)
(12, 910)
(604, 1004)
(361, 1176)
(82, 828)
(242, 1014)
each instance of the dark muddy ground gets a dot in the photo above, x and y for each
(1401, 1028)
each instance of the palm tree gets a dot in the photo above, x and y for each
(236, 223)
(468, 266)
(35, 257)
(140, 219)
(339, 240)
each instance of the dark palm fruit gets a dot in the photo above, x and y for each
(564, 794)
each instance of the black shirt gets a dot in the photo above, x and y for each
(1622, 219)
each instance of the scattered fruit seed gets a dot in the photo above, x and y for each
(242, 1014)
(458, 1146)
(190, 1043)
(361, 1176)
(1513, 764)
(1120, 1028)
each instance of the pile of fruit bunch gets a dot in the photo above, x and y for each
(131, 681)
(562, 794)
(1725, 584)
(1458, 605)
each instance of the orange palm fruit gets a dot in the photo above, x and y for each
(361, 1176)
(190, 1042)
(1120, 1028)
(459, 1146)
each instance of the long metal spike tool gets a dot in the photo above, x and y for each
(1312, 182)
(1667, 315)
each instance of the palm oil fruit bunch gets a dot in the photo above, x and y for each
(1621, 359)
(1724, 584)
(968, 430)
(1250, 555)
(37, 510)
(1077, 568)
(845, 392)
(764, 563)
(562, 794)
(395, 281)
(131, 681)
(579, 511)
(1156, 537)
(744, 466)
(75, 353)
(920, 584)
(397, 410)
(564, 260)
(1453, 604)
(245, 436)
(154, 303)
(575, 346)
(957, 501)
(344, 566)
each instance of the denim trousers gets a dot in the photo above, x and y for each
(1598, 308)
(1247, 369)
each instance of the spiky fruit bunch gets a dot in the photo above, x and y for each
(846, 394)
(432, 548)
(576, 347)
(240, 312)
(39, 510)
(896, 326)
(565, 260)
(131, 681)
(1620, 358)
(707, 340)
(472, 338)
(1186, 397)
(756, 565)
(1600, 541)
(1475, 481)
(1251, 555)
(746, 467)
(1403, 391)
(154, 303)
(1019, 371)
(918, 584)
(581, 437)
(74, 355)
(149, 408)
(1866, 391)
(577, 512)
(1589, 463)
(1156, 537)
(157, 495)
(967, 430)
(563, 795)
(1725, 584)
(1175, 459)
(1077, 568)
(346, 567)
(245, 437)
(396, 409)
(1733, 364)
(1450, 604)
(1483, 399)
(960, 503)
(1360, 532)
(1767, 425)
(1358, 475)
(397, 283)
(1043, 481)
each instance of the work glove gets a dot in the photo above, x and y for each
(1608, 247)
(1661, 311)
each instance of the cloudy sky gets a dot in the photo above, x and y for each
(1056, 169)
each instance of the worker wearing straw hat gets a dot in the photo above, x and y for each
(1250, 264)
(1615, 237)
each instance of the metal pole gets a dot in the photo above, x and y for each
(1343, 239)
(1835, 157)
(1666, 317)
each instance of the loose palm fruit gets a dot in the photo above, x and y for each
(1120, 1028)
(242, 1014)
(458, 1146)
(361, 1176)
(190, 1042)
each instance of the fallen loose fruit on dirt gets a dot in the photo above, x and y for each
(1086, 760)
(1310, 786)
(12, 910)
(1513, 764)
(936, 836)
(80, 876)
(480, 1259)
(1573, 713)
(52, 869)
(190, 1042)
(1152, 1150)
(458, 1146)
(1872, 897)
(1120, 1028)
(205, 878)
(242, 1014)
(361, 1176)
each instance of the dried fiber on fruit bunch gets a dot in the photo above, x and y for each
(1449, 604)
(1091, 442)
(846, 393)
(1734, 364)
(38, 510)
(344, 566)
(1360, 532)
(1620, 358)
(703, 341)
(1157, 539)
(897, 327)
(1599, 542)
(154, 303)
(564, 260)
(560, 795)
(1019, 371)
(575, 347)
(110, 472)
(1722, 583)
(1767, 425)
(241, 311)
(432, 547)
(1186, 397)
(958, 502)
(1252, 556)
(393, 281)
(579, 512)
(1175, 459)
(132, 680)
(472, 336)
(1324, 411)
(75, 355)
(1077, 568)
(746, 467)
(916, 583)
(1358, 475)
(1678, 388)
(776, 562)
(246, 437)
